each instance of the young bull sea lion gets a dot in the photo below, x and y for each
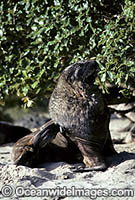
(78, 110)
(77, 105)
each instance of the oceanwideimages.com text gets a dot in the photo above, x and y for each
(20, 191)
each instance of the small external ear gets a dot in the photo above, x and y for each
(77, 73)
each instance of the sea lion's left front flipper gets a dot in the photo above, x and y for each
(92, 156)
(27, 149)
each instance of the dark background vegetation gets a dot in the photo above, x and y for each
(39, 38)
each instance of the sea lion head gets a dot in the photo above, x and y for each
(84, 71)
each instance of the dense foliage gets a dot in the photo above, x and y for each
(39, 38)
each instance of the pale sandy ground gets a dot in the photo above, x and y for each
(116, 183)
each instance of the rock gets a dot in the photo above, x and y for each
(32, 120)
(126, 128)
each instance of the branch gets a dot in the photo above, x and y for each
(123, 112)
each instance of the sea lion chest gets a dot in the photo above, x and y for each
(77, 109)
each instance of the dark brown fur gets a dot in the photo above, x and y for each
(77, 105)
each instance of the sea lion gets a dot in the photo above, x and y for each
(79, 111)
(78, 106)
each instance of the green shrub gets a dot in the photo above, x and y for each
(38, 39)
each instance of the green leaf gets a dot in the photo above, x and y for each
(34, 85)
(111, 75)
(103, 78)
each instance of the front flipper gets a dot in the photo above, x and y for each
(92, 156)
